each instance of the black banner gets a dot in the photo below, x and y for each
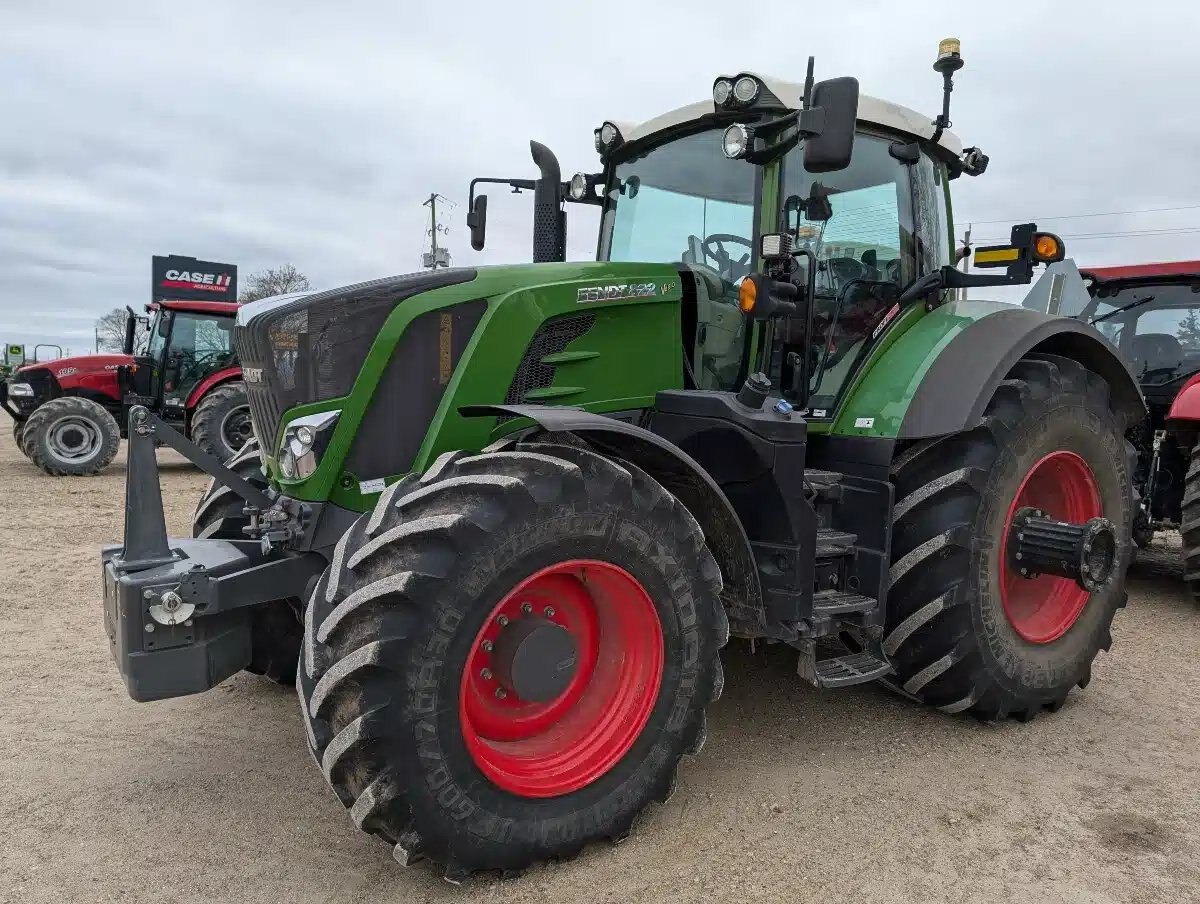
(187, 279)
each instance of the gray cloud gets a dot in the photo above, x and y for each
(304, 132)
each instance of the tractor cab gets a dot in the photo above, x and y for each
(833, 207)
(179, 347)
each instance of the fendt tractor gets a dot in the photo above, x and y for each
(69, 415)
(498, 523)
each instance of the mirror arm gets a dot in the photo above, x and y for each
(517, 186)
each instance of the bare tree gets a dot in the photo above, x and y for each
(110, 331)
(273, 281)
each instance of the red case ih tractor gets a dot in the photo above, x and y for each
(1151, 313)
(69, 415)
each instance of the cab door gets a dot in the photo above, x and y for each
(200, 345)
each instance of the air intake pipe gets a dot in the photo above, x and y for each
(549, 217)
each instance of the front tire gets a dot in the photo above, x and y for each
(398, 694)
(71, 436)
(221, 423)
(275, 626)
(964, 631)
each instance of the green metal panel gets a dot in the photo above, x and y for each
(630, 353)
(877, 402)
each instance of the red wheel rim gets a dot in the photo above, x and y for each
(1043, 608)
(544, 749)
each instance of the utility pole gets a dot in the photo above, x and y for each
(435, 257)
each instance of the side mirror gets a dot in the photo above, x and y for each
(830, 150)
(477, 222)
(130, 330)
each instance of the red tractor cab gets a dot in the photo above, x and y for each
(70, 414)
(1151, 313)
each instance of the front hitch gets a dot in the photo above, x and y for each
(178, 610)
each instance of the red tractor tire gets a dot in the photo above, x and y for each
(71, 437)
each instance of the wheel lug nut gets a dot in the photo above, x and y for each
(549, 612)
(485, 674)
(487, 646)
(501, 693)
(526, 608)
(502, 620)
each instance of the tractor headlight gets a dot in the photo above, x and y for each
(579, 187)
(608, 137)
(722, 89)
(745, 90)
(736, 141)
(24, 390)
(304, 441)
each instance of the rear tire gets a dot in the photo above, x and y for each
(392, 628)
(71, 436)
(221, 422)
(275, 629)
(1189, 526)
(951, 639)
(18, 430)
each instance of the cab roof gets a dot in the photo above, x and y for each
(1144, 271)
(195, 307)
(871, 111)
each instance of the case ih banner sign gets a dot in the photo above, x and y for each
(186, 278)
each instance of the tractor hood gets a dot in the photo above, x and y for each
(77, 365)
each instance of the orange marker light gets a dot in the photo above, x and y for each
(1047, 248)
(747, 295)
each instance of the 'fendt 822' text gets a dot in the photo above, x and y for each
(498, 523)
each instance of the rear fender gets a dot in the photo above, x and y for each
(938, 377)
(680, 474)
(1183, 417)
(201, 389)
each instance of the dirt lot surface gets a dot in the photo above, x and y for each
(853, 795)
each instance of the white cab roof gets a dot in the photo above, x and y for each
(871, 110)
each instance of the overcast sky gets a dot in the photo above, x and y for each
(310, 133)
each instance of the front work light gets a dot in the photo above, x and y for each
(578, 188)
(745, 90)
(735, 143)
(722, 89)
(304, 441)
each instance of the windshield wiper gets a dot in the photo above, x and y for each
(1125, 307)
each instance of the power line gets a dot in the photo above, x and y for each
(1089, 236)
(1078, 216)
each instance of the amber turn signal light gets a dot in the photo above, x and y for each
(747, 295)
(1048, 248)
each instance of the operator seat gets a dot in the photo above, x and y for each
(1156, 351)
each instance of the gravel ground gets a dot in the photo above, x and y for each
(852, 795)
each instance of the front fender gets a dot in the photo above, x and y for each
(939, 375)
(680, 474)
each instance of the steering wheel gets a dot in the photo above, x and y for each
(844, 269)
(714, 247)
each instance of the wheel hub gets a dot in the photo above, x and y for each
(535, 658)
(1086, 553)
(561, 678)
(1056, 549)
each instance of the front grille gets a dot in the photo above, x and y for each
(552, 337)
(311, 348)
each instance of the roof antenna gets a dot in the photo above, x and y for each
(808, 83)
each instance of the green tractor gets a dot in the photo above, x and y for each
(498, 523)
